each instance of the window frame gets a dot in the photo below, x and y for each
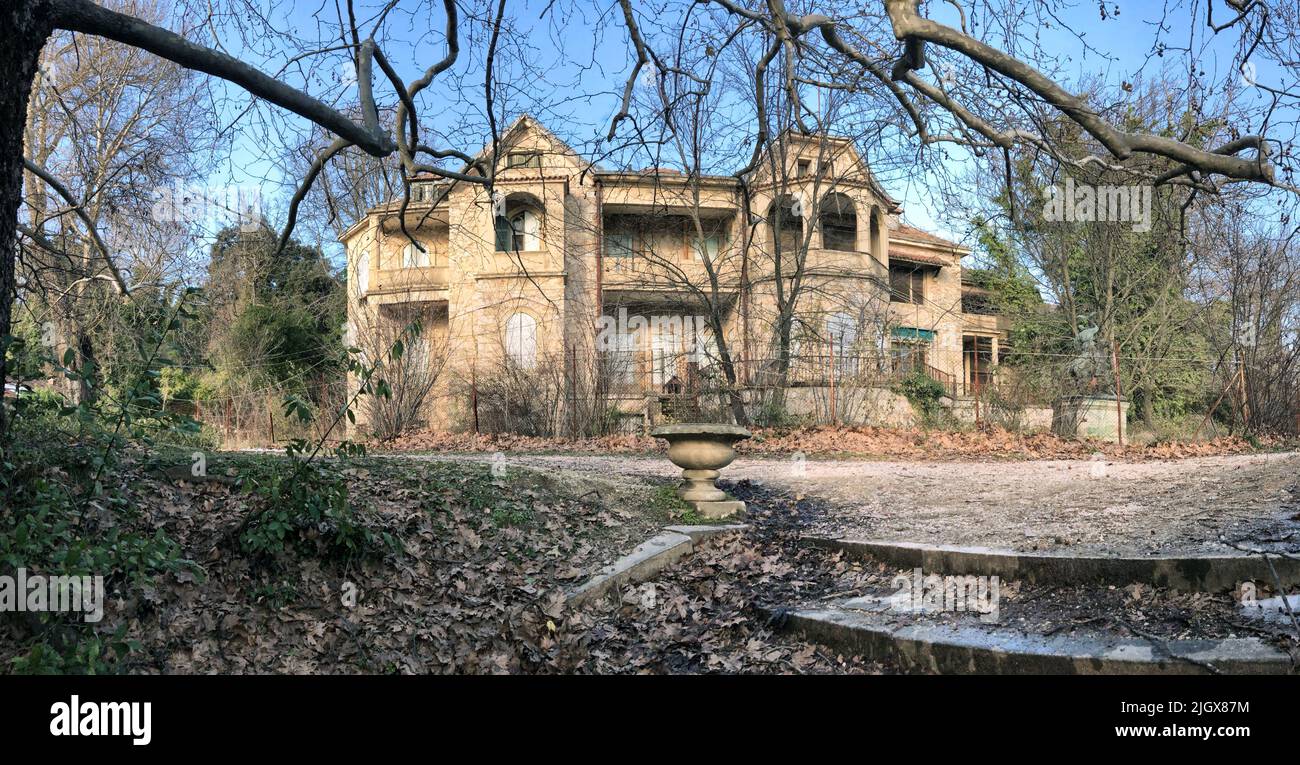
(518, 335)
(411, 257)
(915, 276)
(619, 253)
(519, 236)
(832, 217)
(524, 159)
(784, 216)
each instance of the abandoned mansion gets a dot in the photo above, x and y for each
(568, 293)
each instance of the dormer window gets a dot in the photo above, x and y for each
(523, 159)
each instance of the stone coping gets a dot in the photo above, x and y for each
(1196, 573)
(647, 559)
(952, 649)
(690, 429)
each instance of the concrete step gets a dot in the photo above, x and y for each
(1192, 573)
(864, 626)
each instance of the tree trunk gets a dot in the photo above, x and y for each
(26, 27)
(87, 369)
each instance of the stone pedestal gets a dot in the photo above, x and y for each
(702, 450)
(1090, 417)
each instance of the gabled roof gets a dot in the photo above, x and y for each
(844, 147)
(522, 124)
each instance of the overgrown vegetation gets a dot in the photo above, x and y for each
(69, 508)
(924, 393)
(66, 507)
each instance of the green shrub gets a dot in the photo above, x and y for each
(922, 391)
(46, 488)
(298, 503)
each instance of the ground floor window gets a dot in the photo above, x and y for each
(521, 340)
(909, 349)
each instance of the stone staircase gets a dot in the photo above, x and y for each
(958, 626)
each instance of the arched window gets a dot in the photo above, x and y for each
(786, 221)
(520, 230)
(877, 239)
(413, 257)
(521, 340)
(839, 223)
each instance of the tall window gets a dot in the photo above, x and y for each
(521, 340)
(839, 223)
(842, 331)
(787, 228)
(363, 272)
(664, 350)
(412, 257)
(906, 284)
(877, 243)
(521, 232)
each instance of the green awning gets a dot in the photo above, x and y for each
(912, 333)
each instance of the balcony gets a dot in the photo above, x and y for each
(983, 322)
(535, 262)
(386, 280)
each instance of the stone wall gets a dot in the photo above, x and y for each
(1090, 417)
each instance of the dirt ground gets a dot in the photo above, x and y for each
(1094, 506)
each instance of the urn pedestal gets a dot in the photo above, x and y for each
(701, 451)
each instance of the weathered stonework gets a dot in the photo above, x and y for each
(534, 299)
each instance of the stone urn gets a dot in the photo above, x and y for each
(701, 451)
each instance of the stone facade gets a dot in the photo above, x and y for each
(519, 290)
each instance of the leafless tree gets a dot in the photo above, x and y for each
(113, 124)
(1001, 88)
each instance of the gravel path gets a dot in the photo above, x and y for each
(1079, 506)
